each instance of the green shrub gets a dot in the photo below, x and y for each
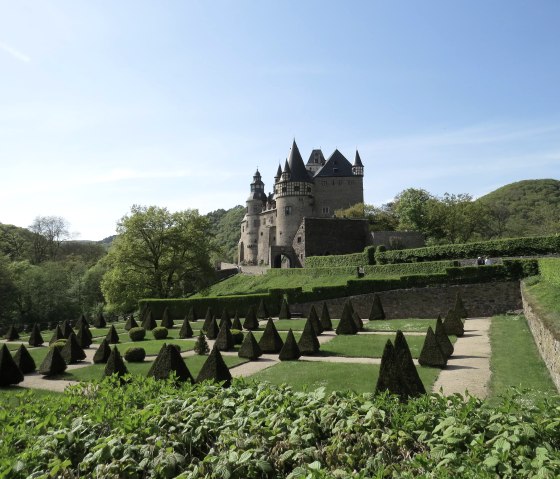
(290, 350)
(112, 335)
(215, 369)
(72, 352)
(58, 344)
(84, 335)
(407, 370)
(137, 334)
(432, 355)
(135, 355)
(270, 342)
(53, 363)
(224, 339)
(308, 343)
(10, 373)
(251, 322)
(213, 329)
(57, 335)
(284, 310)
(326, 322)
(528, 246)
(443, 340)
(201, 345)
(115, 364)
(453, 326)
(377, 311)
(160, 332)
(353, 259)
(166, 320)
(148, 321)
(35, 338)
(314, 320)
(66, 329)
(237, 336)
(346, 325)
(24, 361)
(99, 321)
(103, 352)
(12, 334)
(186, 330)
(250, 349)
(169, 361)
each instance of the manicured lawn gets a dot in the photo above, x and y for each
(283, 334)
(306, 375)
(152, 346)
(194, 363)
(369, 345)
(295, 324)
(411, 324)
(515, 360)
(15, 395)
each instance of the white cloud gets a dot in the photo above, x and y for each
(22, 57)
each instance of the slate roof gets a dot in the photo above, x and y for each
(358, 160)
(297, 167)
(336, 165)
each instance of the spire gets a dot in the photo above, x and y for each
(297, 167)
(287, 173)
(358, 167)
(278, 173)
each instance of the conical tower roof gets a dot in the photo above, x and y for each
(297, 167)
(358, 160)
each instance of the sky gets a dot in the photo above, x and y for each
(105, 104)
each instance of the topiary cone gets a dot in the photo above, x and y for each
(270, 342)
(84, 336)
(166, 320)
(453, 324)
(284, 310)
(66, 329)
(24, 361)
(57, 335)
(53, 363)
(81, 320)
(99, 321)
(346, 325)
(191, 315)
(72, 351)
(224, 340)
(186, 330)
(250, 349)
(308, 343)
(102, 354)
(251, 322)
(262, 311)
(214, 369)
(409, 373)
(112, 336)
(115, 364)
(208, 318)
(130, 323)
(431, 354)
(389, 379)
(35, 338)
(213, 329)
(9, 371)
(225, 320)
(236, 323)
(326, 322)
(358, 321)
(376, 311)
(459, 306)
(290, 351)
(149, 322)
(225, 317)
(314, 319)
(443, 340)
(169, 361)
(12, 334)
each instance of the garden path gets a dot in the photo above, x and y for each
(468, 368)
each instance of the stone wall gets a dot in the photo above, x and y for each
(480, 300)
(549, 347)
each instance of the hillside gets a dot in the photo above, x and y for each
(529, 207)
(226, 226)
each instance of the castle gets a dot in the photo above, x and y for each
(297, 220)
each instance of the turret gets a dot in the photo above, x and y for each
(248, 245)
(358, 167)
(278, 174)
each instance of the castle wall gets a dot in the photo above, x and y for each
(290, 211)
(398, 239)
(333, 193)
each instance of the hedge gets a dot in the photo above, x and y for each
(528, 246)
(510, 270)
(353, 259)
(549, 269)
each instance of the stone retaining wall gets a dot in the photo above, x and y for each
(485, 299)
(549, 347)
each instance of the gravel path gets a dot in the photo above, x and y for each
(468, 368)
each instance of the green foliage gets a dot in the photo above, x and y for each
(432, 355)
(84, 335)
(290, 350)
(353, 259)
(224, 339)
(262, 310)
(251, 322)
(35, 338)
(284, 310)
(157, 254)
(72, 352)
(443, 339)
(160, 332)
(453, 325)
(544, 299)
(314, 320)
(9, 371)
(376, 312)
(326, 322)
(169, 362)
(528, 246)
(112, 335)
(224, 226)
(346, 325)
(53, 363)
(215, 369)
(24, 361)
(12, 334)
(270, 342)
(137, 334)
(213, 329)
(135, 355)
(166, 320)
(308, 343)
(186, 330)
(130, 323)
(201, 346)
(115, 364)
(99, 321)
(103, 352)
(549, 269)
(83, 433)
(250, 349)
(148, 321)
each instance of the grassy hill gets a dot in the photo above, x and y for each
(529, 207)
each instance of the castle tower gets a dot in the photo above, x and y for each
(250, 226)
(358, 167)
(294, 197)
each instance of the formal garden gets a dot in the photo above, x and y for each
(247, 386)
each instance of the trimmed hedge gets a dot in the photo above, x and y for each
(353, 259)
(528, 246)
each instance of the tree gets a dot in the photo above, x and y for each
(411, 207)
(159, 254)
(381, 218)
(48, 234)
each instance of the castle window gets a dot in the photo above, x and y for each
(243, 229)
(335, 170)
(299, 239)
(309, 189)
(323, 182)
(296, 188)
(325, 210)
(288, 210)
(261, 233)
(284, 189)
(255, 209)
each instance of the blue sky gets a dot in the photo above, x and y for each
(105, 104)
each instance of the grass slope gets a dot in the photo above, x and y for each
(515, 360)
